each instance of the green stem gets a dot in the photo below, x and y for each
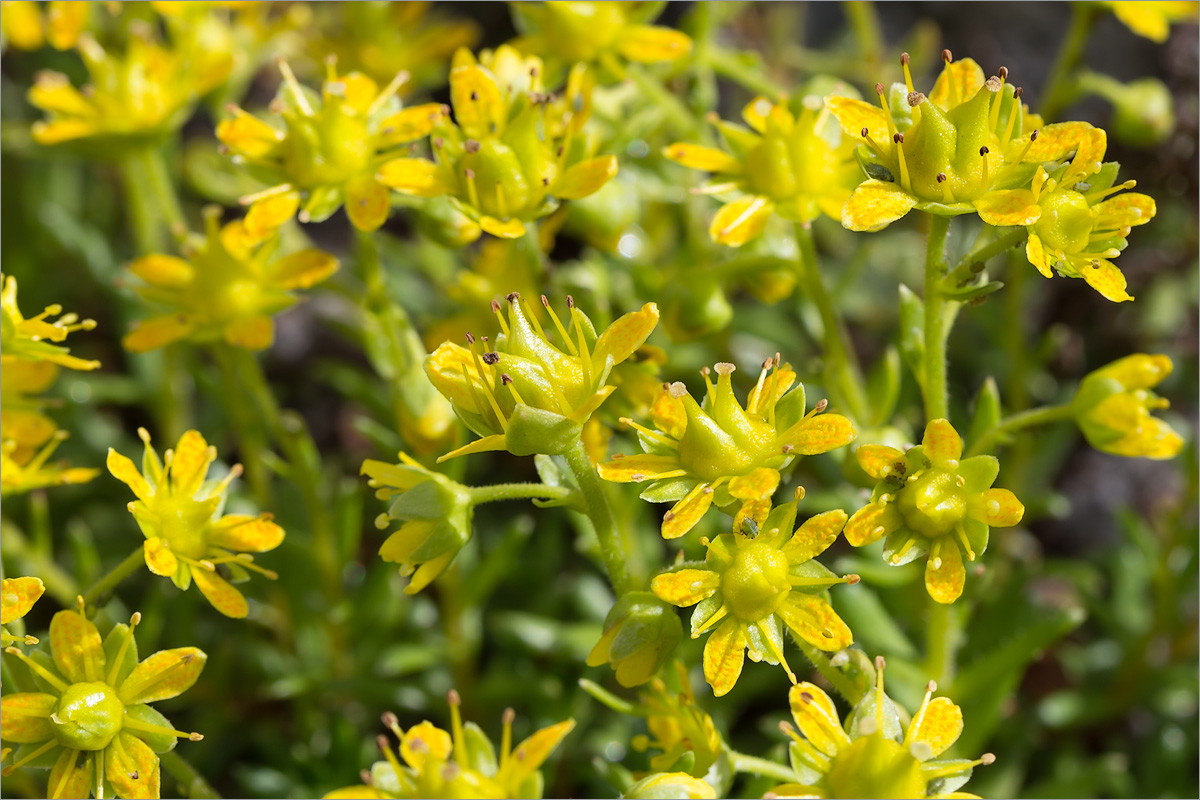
(249, 438)
(194, 784)
(728, 64)
(519, 491)
(937, 398)
(612, 548)
(837, 679)
(841, 365)
(1060, 91)
(943, 638)
(993, 248)
(1025, 419)
(153, 206)
(678, 114)
(163, 190)
(740, 762)
(132, 563)
(31, 561)
(864, 21)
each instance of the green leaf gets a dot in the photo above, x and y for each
(987, 410)
(912, 333)
(883, 385)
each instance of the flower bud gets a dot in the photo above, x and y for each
(640, 634)
(1113, 408)
(669, 785)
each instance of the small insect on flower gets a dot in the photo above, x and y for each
(749, 584)
(928, 502)
(721, 453)
(226, 288)
(178, 513)
(435, 764)
(17, 596)
(1113, 405)
(91, 724)
(874, 754)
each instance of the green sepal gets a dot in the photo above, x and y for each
(112, 646)
(790, 408)
(533, 430)
(897, 539)
(481, 755)
(322, 202)
(669, 490)
(987, 412)
(158, 742)
(883, 385)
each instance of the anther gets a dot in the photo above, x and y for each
(505, 378)
(470, 338)
(677, 390)
(570, 301)
(821, 405)
(452, 696)
(1017, 93)
(471, 146)
(880, 663)
(941, 177)
(879, 89)
(512, 297)
(987, 759)
(382, 743)
(993, 84)
(495, 306)
(898, 138)
(865, 132)
(474, 95)
(491, 358)
(509, 716)
(724, 368)
(947, 56)
(915, 99)
(852, 579)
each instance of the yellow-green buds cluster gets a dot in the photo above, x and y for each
(798, 165)
(435, 515)
(526, 395)
(512, 152)
(177, 510)
(640, 634)
(91, 723)
(329, 150)
(752, 581)
(225, 288)
(930, 503)
(461, 763)
(1113, 408)
(874, 754)
(723, 453)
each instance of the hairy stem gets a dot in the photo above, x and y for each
(943, 638)
(1025, 419)
(520, 491)
(837, 679)
(760, 766)
(937, 397)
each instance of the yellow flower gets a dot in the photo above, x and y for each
(796, 166)
(177, 511)
(17, 596)
(92, 724)
(512, 153)
(526, 395)
(21, 420)
(722, 453)
(21, 473)
(929, 503)
(30, 339)
(437, 764)
(435, 515)
(1113, 408)
(146, 93)
(566, 33)
(750, 583)
(26, 27)
(227, 288)
(678, 725)
(640, 634)
(874, 754)
(1079, 225)
(670, 784)
(969, 147)
(328, 151)
(1153, 20)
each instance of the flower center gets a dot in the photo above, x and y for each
(873, 766)
(88, 716)
(757, 582)
(933, 503)
(1066, 221)
(184, 523)
(769, 168)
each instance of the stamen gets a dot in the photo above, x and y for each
(506, 736)
(720, 614)
(656, 435)
(886, 110)
(957, 767)
(116, 667)
(585, 358)
(562, 332)
(472, 192)
(1099, 194)
(38, 668)
(776, 650)
(289, 78)
(62, 778)
(148, 727)
(866, 134)
(507, 380)
(456, 727)
(1032, 138)
(960, 534)
(501, 202)
(907, 75)
(709, 389)
(393, 86)
(1011, 126)
(11, 768)
(898, 556)
(983, 153)
(947, 195)
(499, 316)
(385, 747)
(485, 384)
(899, 140)
(756, 394)
(914, 727)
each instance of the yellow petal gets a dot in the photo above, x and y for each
(586, 177)
(958, 83)
(1153, 438)
(303, 270)
(78, 651)
(1139, 371)
(248, 135)
(819, 434)
(132, 768)
(251, 333)
(1007, 207)
(621, 339)
(223, 597)
(503, 229)
(738, 222)
(941, 442)
(708, 159)
(1143, 18)
(939, 724)
(437, 745)
(854, 115)
(644, 467)
(64, 130)
(267, 214)
(1124, 211)
(65, 21)
(650, 43)
(479, 106)
(166, 674)
(71, 775)
(880, 461)
(999, 507)
(53, 92)
(161, 270)
(814, 621)
(1103, 276)
(759, 484)
(874, 205)
(817, 718)
(159, 558)
(150, 334)
(669, 415)
(190, 463)
(944, 573)
(1055, 142)
(25, 717)
(23, 24)
(367, 203)
(685, 587)
(410, 124)
(529, 755)
(17, 596)
(756, 112)
(687, 512)
(243, 533)
(814, 536)
(1036, 253)
(359, 91)
(724, 654)
(360, 792)
(872, 522)
(122, 469)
